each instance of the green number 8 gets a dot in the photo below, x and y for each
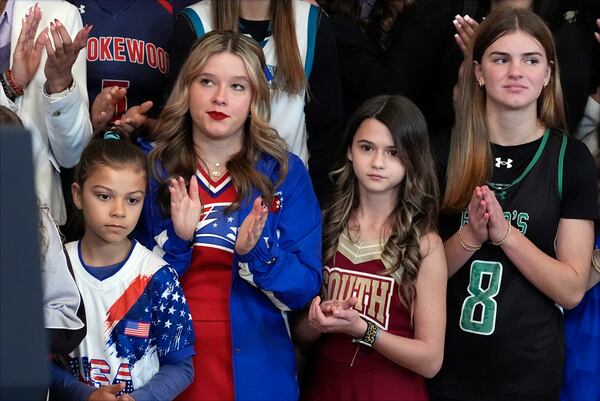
(483, 297)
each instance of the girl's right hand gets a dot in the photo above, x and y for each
(107, 393)
(477, 227)
(336, 317)
(186, 207)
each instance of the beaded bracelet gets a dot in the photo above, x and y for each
(6, 87)
(15, 88)
(595, 262)
(503, 240)
(466, 245)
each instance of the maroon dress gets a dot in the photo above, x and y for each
(347, 371)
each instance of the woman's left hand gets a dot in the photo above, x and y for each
(497, 224)
(252, 227)
(62, 55)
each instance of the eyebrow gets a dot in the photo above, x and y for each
(373, 143)
(102, 187)
(237, 77)
(522, 54)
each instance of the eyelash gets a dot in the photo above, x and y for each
(106, 197)
(503, 60)
(369, 148)
(209, 83)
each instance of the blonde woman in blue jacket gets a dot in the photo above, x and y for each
(256, 251)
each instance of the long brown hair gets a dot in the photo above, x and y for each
(470, 160)
(290, 74)
(174, 151)
(416, 211)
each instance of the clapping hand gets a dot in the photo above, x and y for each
(62, 55)
(465, 28)
(252, 227)
(186, 207)
(336, 317)
(135, 117)
(28, 53)
(103, 108)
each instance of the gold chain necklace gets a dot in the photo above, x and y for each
(216, 172)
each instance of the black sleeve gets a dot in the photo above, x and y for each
(580, 183)
(183, 40)
(574, 51)
(323, 109)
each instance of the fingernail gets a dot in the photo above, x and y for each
(455, 22)
(467, 18)
(457, 16)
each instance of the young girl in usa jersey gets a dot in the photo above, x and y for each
(139, 341)
(381, 318)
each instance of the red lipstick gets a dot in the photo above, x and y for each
(217, 115)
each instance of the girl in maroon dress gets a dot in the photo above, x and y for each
(381, 318)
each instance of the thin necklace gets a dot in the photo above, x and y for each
(216, 172)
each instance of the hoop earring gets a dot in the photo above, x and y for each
(480, 82)
(546, 83)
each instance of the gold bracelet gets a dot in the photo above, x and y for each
(595, 262)
(503, 240)
(466, 245)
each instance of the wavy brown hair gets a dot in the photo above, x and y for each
(470, 160)
(174, 154)
(290, 74)
(416, 211)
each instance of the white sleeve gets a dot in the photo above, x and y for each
(61, 296)
(67, 118)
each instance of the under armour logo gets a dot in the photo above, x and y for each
(81, 9)
(507, 163)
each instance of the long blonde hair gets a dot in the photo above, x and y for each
(416, 211)
(470, 160)
(290, 74)
(174, 151)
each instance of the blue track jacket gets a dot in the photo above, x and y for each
(281, 274)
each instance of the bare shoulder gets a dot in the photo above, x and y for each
(430, 243)
(433, 262)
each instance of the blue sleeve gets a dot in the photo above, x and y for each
(65, 387)
(286, 263)
(156, 232)
(171, 379)
(172, 318)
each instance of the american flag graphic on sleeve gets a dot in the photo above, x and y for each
(137, 329)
